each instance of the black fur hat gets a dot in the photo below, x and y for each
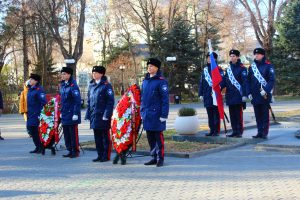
(154, 61)
(67, 70)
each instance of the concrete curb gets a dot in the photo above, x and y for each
(187, 154)
(278, 148)
(200, 137)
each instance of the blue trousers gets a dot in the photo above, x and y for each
(34, 132)
(157, 144)
(261, 112)
(103, 143)
(71, 138)
(213, 119)
(236, 119)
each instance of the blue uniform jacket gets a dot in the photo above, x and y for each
(205, 90)
(155, 102)
(233, 95)
(254, 87)
(35, 101)
(100, 104)
(70, 102)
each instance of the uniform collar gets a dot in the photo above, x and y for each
(34, 87)
(102, 81)
(260, 62)
(238, 63)
(69, 81)
(158, 75)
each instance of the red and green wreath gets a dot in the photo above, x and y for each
(126, 120)
(48, 127)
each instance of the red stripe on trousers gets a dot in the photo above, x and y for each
(162, 144)
(109, 145)
(241, 118)
(77, 139)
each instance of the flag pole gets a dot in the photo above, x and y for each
(210, 51)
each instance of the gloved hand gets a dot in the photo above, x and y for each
(27, 83)
(250, 97)
(60, 116)
(75, 117)
(263, 93)
(244, 99)
(104, 118)
(201, 98)
(162, 119)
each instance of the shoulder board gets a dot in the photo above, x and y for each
(268, 62)
(161, 78)
(106, 82)
(242, 65)
(37, 88)
(72, 85)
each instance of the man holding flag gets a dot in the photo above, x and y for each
(210, 93)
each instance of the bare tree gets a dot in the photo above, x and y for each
(102, 14)
(65, 20)
(264, 27)
(124, 31)
(142, 13)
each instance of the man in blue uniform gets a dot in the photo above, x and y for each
(155, 110)
(235, 81)
(99, 112)
(70, 111)
(260, 83)
(35, 101)
(205, 93)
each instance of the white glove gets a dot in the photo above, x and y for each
(250, 97)
(27, 83)
(201, 98)
(244, 99)
(60, 116)
(75, 117)
(104, 118)
(262, 93)
(162, 119)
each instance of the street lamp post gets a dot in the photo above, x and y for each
(122, 67)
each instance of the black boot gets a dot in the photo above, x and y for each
(123, 158)
(53, 152)
(98, 159)
(34, 151)
(116, 159)
(151, 162)
(43, 150)
(160, 163)
(265, 137)
(257, 136)
(67, 155)
(231, 135)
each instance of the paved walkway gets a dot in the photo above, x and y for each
(241, 173)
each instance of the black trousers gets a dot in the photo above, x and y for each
(261, 112)
(236, 119)
(157, 144)
(103, 143)
(213, 119)
(71, 138)
(34, 132)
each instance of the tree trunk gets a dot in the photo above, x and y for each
(25, 48)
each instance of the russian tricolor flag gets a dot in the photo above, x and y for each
(216, 80)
